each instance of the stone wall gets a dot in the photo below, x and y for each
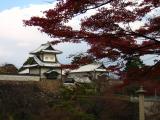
(7, 77)
(44, 85)
(49, 85)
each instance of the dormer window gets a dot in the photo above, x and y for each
(52, 58)
(49, 58)
(46, 58)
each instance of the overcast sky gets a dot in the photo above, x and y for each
(17, 41)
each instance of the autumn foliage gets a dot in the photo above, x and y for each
(103, 30)
(8, 69)
(28, 101)
(119, 29)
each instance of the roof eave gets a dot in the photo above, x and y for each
(88, 71)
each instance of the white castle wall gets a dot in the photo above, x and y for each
(19, 78)
(49, 57)
(34, 71)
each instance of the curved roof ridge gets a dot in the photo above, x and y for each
(43, 48)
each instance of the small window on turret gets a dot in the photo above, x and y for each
(52, 58)
(46, 58)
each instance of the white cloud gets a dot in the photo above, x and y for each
(12, 24)
(17, 41)
(75, 22)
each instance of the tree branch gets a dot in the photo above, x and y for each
(97, 6)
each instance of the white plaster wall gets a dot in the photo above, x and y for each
(43, 70)
(34, 71)
(59, 71)
(19, 78)
(92, 74)
(85, 77)
(49, 57)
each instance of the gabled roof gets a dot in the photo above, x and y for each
(30, 61)
(41, 63)
(48, 48)
(99, 67)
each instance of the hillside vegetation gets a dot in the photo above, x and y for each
(32, 101)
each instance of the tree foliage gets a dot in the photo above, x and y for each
(82, 59)
(154, 112)
(108, 31)
(134, 63)
(8, 69)
(27, 101)
(111, 31)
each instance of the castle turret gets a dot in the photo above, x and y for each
(46, 53)
(44, 62)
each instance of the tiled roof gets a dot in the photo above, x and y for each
(89, 68)
(41, 63)
(28, 66)
(44, 48)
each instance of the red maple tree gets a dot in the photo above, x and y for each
(109, 32)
